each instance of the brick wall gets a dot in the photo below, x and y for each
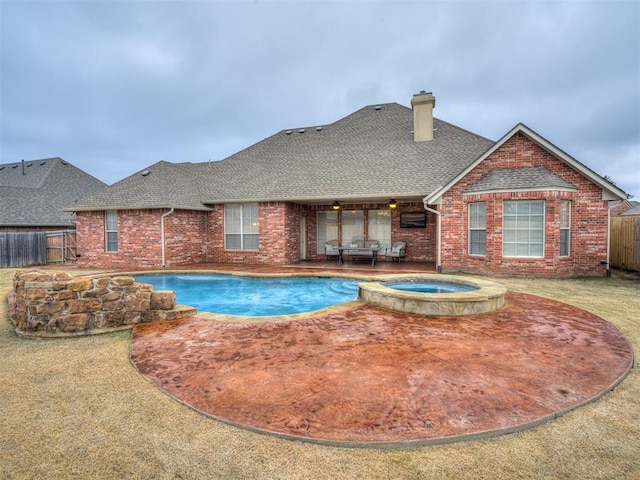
(194, 237)
(139, 239)
(280, 233)
(588, 220)
(279, 237)
(420, 241)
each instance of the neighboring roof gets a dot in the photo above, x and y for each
(609, 190)
(512, 179)
(34, 192)
(632, 211)
(616, 207)
(369, 155)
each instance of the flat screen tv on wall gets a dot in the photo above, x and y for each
(413, 220)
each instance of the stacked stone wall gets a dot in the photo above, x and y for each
(51, 304)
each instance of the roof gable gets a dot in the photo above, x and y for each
(609, 191)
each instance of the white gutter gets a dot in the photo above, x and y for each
(439, 237)
(608, 241)
(162, 234)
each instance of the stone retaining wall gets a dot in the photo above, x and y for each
(53, 304)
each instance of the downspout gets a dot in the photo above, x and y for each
(608, 241)
(439, 235)
(162, 234)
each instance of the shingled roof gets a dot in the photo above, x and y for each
(162, 185)
(33, 193)
(512, 179)
(369, 155)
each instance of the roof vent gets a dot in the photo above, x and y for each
(288, 132)
(318, 129)
(377, 107)
(42, 163)
(145, 173)
(64, 162)
(2, 167)
(302, 130)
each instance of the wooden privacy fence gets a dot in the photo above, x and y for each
(22, 249)
(625, 242)
(61, 246)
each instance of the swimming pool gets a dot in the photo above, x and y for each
(254, 296)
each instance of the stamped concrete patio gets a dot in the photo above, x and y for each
(357, 375)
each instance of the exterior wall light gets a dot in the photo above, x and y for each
(392, 204)
(336, 205)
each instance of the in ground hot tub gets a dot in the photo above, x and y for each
(434, 295)
(423, 286)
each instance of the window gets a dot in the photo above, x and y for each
(523, 229)
(352, 226)
(565, 227)
(327, 228)
(241, 226)
(111, 230)
(379, 227)
(477, 228)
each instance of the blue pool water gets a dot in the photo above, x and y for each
(253, 296)
(430, 287)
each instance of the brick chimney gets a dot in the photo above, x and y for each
(422, 105)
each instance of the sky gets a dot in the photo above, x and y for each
(116, 86)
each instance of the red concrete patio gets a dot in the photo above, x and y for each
(365, 376)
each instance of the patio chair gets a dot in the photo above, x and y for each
(397, 250)
(331, 249)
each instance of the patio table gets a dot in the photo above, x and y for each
(358, 250)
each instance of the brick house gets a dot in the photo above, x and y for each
(518, 206)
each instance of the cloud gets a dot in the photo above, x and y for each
(116, 86)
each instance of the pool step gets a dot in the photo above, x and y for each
(177, 313)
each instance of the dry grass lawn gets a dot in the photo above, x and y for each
(76, 408)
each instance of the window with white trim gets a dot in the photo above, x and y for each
(111, 230)
(523, 228)
(327, 224)
(379, 227)
(352, 226)
(565, 228)
(241, 226)
(477, 228)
